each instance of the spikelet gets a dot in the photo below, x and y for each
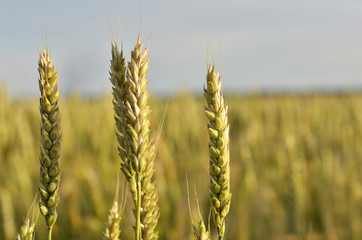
(218, 128)
(26, 231)
(50, 152)
(140, 149)
(200, 231)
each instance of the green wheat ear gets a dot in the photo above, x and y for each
(50, 151)
(218, 128)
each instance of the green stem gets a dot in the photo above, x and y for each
(50, 233)
(138, 210)
(221, 237)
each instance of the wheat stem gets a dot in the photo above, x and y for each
(50, 233)
(221, 237)
(138, 209)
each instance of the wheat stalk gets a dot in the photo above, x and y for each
(218, 128)
(136, 149)
(50, 152)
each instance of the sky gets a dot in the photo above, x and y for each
(268, 45)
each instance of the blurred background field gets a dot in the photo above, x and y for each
(296, 164)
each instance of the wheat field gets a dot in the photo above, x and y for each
(296, 164)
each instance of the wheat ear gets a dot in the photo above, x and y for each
(113, 230)
(113, 222)
(118, 80)
(218, 128)
(117, 77)
(50, 152)
(141, 150)
(136, 150)
(26, 231)
(199, 230)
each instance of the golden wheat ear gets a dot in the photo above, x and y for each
(50, 151)
(218, 128)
